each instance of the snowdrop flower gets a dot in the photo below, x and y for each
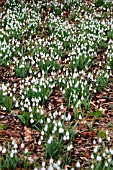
(39, 142)
(92, 166)
(98, 158)
(43, 164)
(31, 115)
(67, 133)
(32, 121)
(43, 168)
(78, 165)
(100, 140)
(48, 120)
(22, 145)
(42, 133)
(95, 149)
(111, 151)
(69, 147)
(0, 148)
(46, 127)
(35, 168)
(109, 160)
(15, 146)
(11, 155)
(51, 161)
(59, 162)
(106, 164)
(106, 132)
(16, 105)
(92, 156)
(61, 130)
(15, 151)
(69, 117)
(108, 138)
(26, 150)
(94, 142)
(50, 167)
(65, 138)
(4, 88)
(80, 117)
(4, 150)
(61, 107)
(59, 123)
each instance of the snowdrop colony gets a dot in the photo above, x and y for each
(47, 46)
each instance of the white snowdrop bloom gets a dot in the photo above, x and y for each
(100, 140)
(55, 165)
(22, 145)
(109, 160)
(49, 141)
(61, 107)
(80, 117)
(26, 150)
(59, 162)
(35, 168)
(49, 107)
(111, 151)
(68, 148)
(82, 98)
(104, 154)
(94, 90)
(43, 164)
(106, 132)
(92, 166)
(67, 137)
(4, 88)
(78, 164)
(30, 109)
(48, 120)
(46, 128)
(32, 121)
(4, 150)
(61, 130)
(106, 164)
(108, 138)
(62, 117)
(55, 128)
(51, 161)
(4, 108)
(13, 142)
(0, 148)
(69, 117)
(95, 149)
(98, 158)
(67, 133)
(15, 146)
(16, 105)
(92, 156)
(31, 115)
(64, 138)
(50, 167)
(43, 168)
(41, 137)
(59, 124)
(41, 112)
(94, 142)
(107, 150)
(42, 133)
(41, 121)
(39, 142)
(11, 155)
